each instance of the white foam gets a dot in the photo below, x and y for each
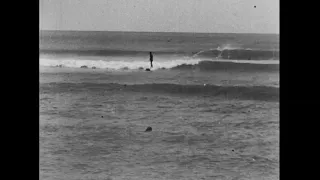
(135, 63)
(116, 65)
(222, 48)
(228, 47)
(248, 61)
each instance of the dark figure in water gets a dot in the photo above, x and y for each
(148, 129)
(151, 59)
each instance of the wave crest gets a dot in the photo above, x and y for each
(229, 51)
(229, 66)
(179, 64)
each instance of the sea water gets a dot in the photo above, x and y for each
(212, 101)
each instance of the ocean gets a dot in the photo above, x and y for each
(212, 101)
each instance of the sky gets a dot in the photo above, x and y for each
(209, 16)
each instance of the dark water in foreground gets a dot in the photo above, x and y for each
(92, 125)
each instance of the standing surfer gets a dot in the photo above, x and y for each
(151, 59)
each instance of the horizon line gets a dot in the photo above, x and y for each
(158, 32)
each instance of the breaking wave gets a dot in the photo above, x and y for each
(236, 53)
(229, 66)
(116, 65)
(178, 64)
(225, 52)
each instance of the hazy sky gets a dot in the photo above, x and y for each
(220, 16)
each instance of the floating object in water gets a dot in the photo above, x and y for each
(93, 67)
(148, 129)
(148, 69)
(84, 67)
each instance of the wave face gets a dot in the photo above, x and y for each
(232, 54)
(262, 93)
(229, 66)
(178, 64)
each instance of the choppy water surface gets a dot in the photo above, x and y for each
(96, 131)
(213, 110)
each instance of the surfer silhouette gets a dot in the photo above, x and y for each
(151, 59)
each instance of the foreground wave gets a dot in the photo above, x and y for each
(262, 93)
(179, 64)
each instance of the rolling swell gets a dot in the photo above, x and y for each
(232, 54)
(102, 52)
(261, 93)
(228, 66)
(111, 52)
